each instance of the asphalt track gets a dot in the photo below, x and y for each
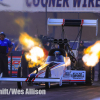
(65, 92)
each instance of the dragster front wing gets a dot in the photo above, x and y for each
(57, 80)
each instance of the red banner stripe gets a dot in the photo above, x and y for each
(13, 72)
(15, 57)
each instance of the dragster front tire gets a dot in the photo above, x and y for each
(19, 75)
(47, 75)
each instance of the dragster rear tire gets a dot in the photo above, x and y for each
(47, 75)
(89, 73)
(19, 75)
(88, 76)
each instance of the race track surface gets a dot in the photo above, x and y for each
(65, 92)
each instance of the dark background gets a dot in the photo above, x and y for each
(35, 23)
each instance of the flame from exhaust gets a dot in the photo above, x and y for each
(20, 22)
(67, 61)
(34, 54)
(92, 54)
(27, 41)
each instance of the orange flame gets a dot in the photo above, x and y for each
(20, 22)
(92, 54)
(67, 61)
(34, 54)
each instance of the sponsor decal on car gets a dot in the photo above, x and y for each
(77, 75)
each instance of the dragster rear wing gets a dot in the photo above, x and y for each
(34, 80)
(73, 22)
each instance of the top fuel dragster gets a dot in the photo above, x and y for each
(60, 66)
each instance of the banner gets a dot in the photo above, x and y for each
(62, 5)
(16, 62)
(52, 5)
(11, 5)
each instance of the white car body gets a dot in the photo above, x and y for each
(61, 71)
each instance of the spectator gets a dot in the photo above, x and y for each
(48, 46)
(13, 43)
(81, 49)
(80, 54)
(56, 46)
(18, 47)
(52, 46)
(4, 53)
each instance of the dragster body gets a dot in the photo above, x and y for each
(57, 70)
(60, 66)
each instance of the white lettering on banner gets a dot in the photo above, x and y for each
(52, 5)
